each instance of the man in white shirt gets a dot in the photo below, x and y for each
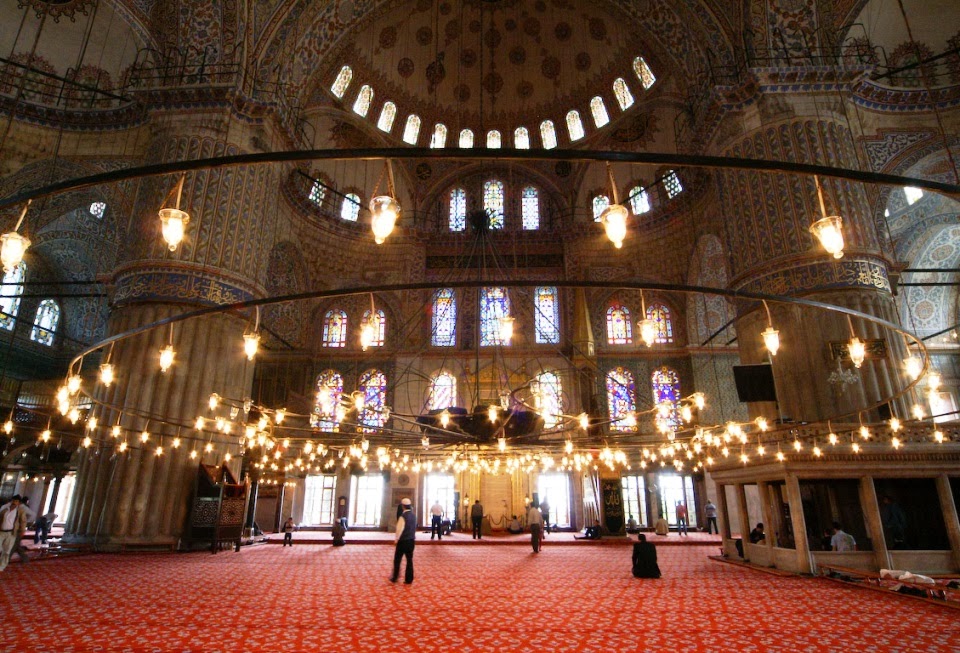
(842, 541)
(535, 522)
(436, 520)
(13, 522)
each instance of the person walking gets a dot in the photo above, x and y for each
(436, 520)
(710, 510)
(288, 528)
(405, 537)
(28, 515)
(535, 522)
(681, 518)
(476, 519)
(13, 523)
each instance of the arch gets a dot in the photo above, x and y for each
(373, 386)
(45, 323)
(340, 84)
(574, 125)
(466, 139)
(548, 134)
(619, 326)
(530, 208)
(665, 385)
(621, 399)
(546, 315)
(439, 138)
(350, 209)
(444, 318)
(387, 115)
(639, 200)
(622, 93)
(458, 209)
(494, 305)
(660, 315)
(334, 329)
(326, 414)
(643, 72)
(548, 393)
(599, 204)
(378, 325)
(599, 111)
(494, 139)
(443, 391)
(521, 138)
(493, 203)
(10, 294)
(412, 129)
(364, 99)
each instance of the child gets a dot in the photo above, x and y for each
(288, 528)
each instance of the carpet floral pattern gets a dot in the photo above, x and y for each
(476, 598)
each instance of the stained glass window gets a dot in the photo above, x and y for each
(10, 296)
(574, 125)
(521, 138)
(493, 202)
(493, 139)
(329, 391)
(548, 134)
(45, 324)
(97, 209)
(639, 200)
(351, 207)
(671, 182)
(621, 398)
(619, 328)
(660, 314)
(439, 139)
(334, 329)
(546, 318)
(600, 204)
(548, 395)
(342, 81)
(373, 385)
(622, 91)
(412, 129)
(666, 396)
(364, 99)
(317, 193)
(599, 111)
(466, 138)
(912, 194)
(644, 74)
(458, 209)
(443, 391)
(379, 327)
(494, 304)
(387, 116)
(530, 208)
(444, 327)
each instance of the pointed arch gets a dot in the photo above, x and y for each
(340, 84)
(622, 93)
(444, 323)
(45, 323)
(387, 115)
(621, 399)
(574, 125)
(443, 391)
(325, 415)
(619, 327)
(334, 329)
(660, 315)
(373, 386)
(364, 100)
(599, 111)
(548, 393)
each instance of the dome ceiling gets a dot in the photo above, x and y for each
(506, 60)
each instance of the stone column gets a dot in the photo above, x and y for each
(763, 489)
(871, 517)
(139, 496)
(723, 512)
(799, 523)
(653, 497)
(950, 517)
(767, 231)
(744, 517)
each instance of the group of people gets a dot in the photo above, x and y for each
(15, 517)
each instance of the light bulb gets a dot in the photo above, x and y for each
(938, 436)
(8, 427)
(425, 442)
(614, 219)
(771, 340)
(832, 438)
(213, 401)
(227, 457)
(917, 411)
(445, 419)
(816, 451)
(506, 330)
(502, 443)
(359, 401)
(74, 415)
(933, 380)
(895, 442)
(208, 447)
(829, 231)
(384, 213)
(367, 335)
(857, 350)
(106, 374)
(115, 431)
(913, 366)
(780, 456)
(865, 432)
(856, 447)
(167, 354)
(159, 451)
(762, 423)
(73, 384)
(492, 413)
(699, 400)
(45, 436)
(12, 248)
(251, 343)
(92, 423)
(176, 443)
(86, 442)
(144, 436)
(173, 224)
(63, 394)
(122, 447)
(279, 416)
(648, 331)
(895, 424)
(568, 446)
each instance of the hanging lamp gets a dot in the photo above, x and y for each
(173, 221)
(828, 229)
(614, 217)
(384, 209)
(13, 246)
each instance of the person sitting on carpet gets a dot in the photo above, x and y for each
(514, 526)
(338, 532)
(757, 535)
(591, 533)
(662, 527)
(645, 559)
(632, 525)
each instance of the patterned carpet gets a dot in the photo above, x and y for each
(471, 598)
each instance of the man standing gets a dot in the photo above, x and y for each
(476, 519)
(405, 535)
(436, 520)
(13, 523)
(681, 518)
(842, 541)
(43, 526)
(894, 522)
(710, 510)
(545, 511)
(535, 521)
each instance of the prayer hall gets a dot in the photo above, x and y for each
(480, 325)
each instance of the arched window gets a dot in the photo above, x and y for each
(619, 328)
(660, 314)
(317, 193)
(10, 295)
(444, 327)
(494, 304)
(639, 200)
(412, 129)
(439, 139)
(351, 207)
(521, 138)
(600, 204)
(443, 391)
(329, 392)
(548, 134)
(364, 99)
(379, 327)
(912, 194)
(493, 203)
(622, 91)
(530, 208)
(387, 116)
(493, 139)
(466, 139)
(373, 385)
(97, 209)
(671, 182)
(548, 398)
(45, 324)
(666, 396)
(546, 318)
(621, 399)
(574, 125)
(334, 329)
(599, 111)
(458, 209)
(644, 74)
(342, 81)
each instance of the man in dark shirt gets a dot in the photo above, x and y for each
(757, 535)
(645, 559)
(405, 536)
(476, 519)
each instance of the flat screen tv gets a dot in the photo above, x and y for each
(754, 382)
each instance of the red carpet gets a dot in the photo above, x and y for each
(470, 598)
